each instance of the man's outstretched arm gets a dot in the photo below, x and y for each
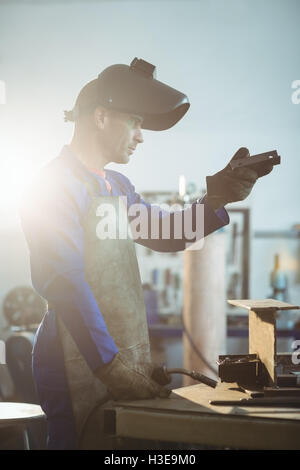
(167, 231)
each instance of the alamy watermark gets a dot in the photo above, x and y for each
(295, 97)
(296, 352)
(2, 352)
(2, 92)
(152, 222)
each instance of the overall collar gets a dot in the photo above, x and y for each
(73, 161)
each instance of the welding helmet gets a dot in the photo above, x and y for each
(134, 90)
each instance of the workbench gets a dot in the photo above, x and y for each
(188, 417)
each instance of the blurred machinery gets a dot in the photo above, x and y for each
(279, 282)
(23, 310)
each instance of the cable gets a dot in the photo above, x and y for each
(101, 402)
(201, 357)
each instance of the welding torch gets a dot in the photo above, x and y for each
(162, 375)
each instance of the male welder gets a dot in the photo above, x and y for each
(93, 343)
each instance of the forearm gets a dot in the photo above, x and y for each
(185, 227)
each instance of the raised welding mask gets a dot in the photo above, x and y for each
(134, 90)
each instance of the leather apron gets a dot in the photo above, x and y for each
(112, 272)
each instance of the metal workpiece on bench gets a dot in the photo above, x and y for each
(244, 367)
(262, 367)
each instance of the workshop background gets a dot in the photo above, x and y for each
(239, 63)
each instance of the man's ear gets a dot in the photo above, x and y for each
(99, 117)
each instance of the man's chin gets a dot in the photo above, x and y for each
(123, 159)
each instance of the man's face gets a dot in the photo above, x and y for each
(120, 135)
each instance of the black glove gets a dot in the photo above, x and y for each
(233, 185)
(130, 381)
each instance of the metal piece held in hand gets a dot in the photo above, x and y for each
(260, 159)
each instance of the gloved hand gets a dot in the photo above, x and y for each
(233, 185)
(129, 382)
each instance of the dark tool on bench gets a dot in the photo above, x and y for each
(284, 402)
(258, 161)
(162, 375)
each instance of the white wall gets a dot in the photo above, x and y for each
(235, 59)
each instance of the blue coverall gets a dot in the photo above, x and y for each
(51, 214)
